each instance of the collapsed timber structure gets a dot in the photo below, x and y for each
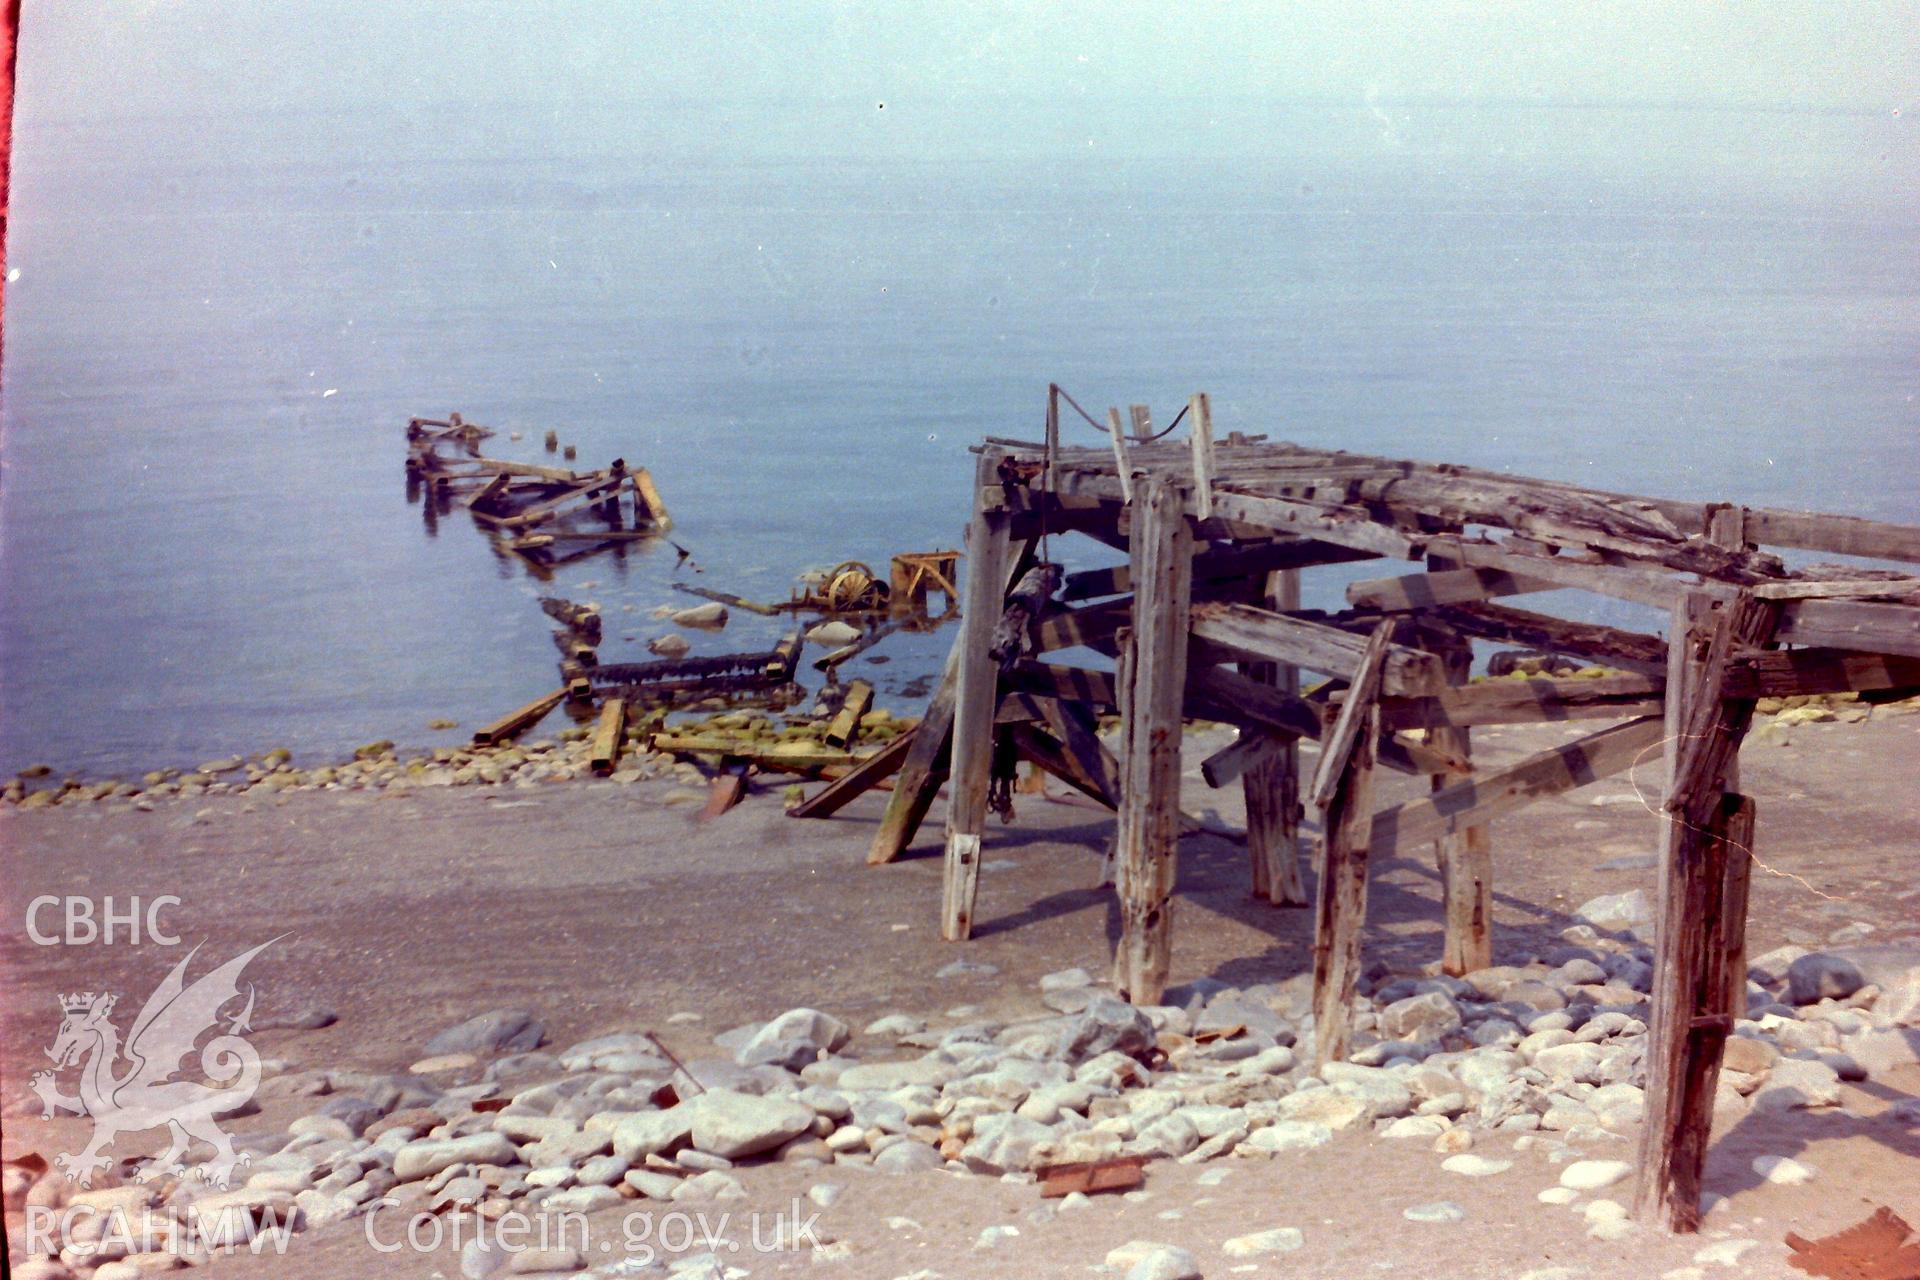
(1204, 621)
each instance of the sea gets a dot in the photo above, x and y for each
(216, 332)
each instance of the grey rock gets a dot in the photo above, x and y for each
(496, 1031)
(1617, 910)
(1106, 1025)
(907, 1157)
(426, 1157)
(1421, 1017)
(1797, 1083)
(1003, 1143)
(793, 1039)
(733, 1125)
(1168, 1262)
(1435, 1211)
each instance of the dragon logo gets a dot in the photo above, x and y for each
(144, 1095)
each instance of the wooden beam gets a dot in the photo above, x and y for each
(648, 505)
(977, 678)
(1090, 626)
(593, 490)
(1276, 637)
(1249, 749)
(1853, 624)
(1348, 526)
(729, 789)
(1399, 829)
(1654, 587)
(1360, 705)
(1501, 624)
(1791, 673)
(921, 773)
(1340, 909)
(516, 722)
(1447, 586)
(1691, 1019)
(846, 722)
(1527, 700)
(1840, 535)
(1054, 680)
(1153, 677)
(1246, 561)
(607, 736)
(862, 778)
(1073, 726)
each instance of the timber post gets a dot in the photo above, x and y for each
(1464, 857)
(1272, 786)
(976, 683)
(1153, 680)
(1692, 992)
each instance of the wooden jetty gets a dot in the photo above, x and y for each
(1204, 621)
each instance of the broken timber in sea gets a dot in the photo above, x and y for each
(1204, 621)
(716, 673)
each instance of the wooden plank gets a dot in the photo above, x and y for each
(1340, 909)
(1691, 1019)
(1054, 680)
(1079, 737)
(1790, 673)
(1121, 466)
(1245, 561)
(977, 678)
(1448, 586)
(1735, 832)
(607, 736)
(1837, 589)
(1091, 626)
(1399, 829)
(1046, 752)
(1527, 700)
(1153, 676)
(1840, 535)
(921, 773)
(1632, 650)
(1852, 624)
(1217, 694)
(516, 722)
(1200, 427)
(862, 778)
(1276, 637)
(1359, 709)
(1348, 526)
(846, 723)
(483, 496)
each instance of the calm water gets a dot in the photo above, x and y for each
(206, 547)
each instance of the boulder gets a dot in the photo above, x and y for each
(1003, 1143)
(1423, 1017)
(496, 1031)
(1796, 1083)
(733, 1125)
(1105, 1025)
(1617, 910)
(712, 616)
(794, 1039)
(652, 1132)
(426, 1157)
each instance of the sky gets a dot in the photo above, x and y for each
(87, 59)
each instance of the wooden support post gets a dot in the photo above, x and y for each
(1202, 440)
(1153, 678)
(1142, 418)
(1691, 994)
(1464, 857)
(1120, 463)
(1272, 786)
(607, 736)
(976, 680)
(1342, 793)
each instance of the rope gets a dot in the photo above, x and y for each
(1103, 429)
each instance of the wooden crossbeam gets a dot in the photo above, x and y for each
(1445, 586)
(1266, 556)
(593, 490)
(1337, 745)
(1641, 585)
(1841, 535)
(1535, 699)
(858, 780)
(1852, 624)
(1348, 526)
(1399, 829)
(1794, 672)
(1249, 749)
(1052, 680)
(1277, 637)
(1633, 650)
